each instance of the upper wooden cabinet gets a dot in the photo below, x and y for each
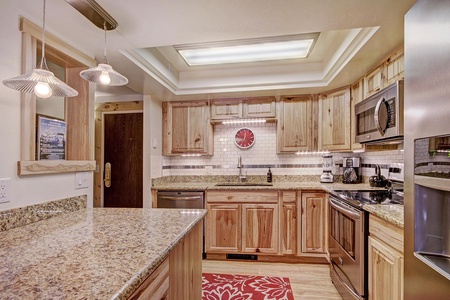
(187, 128)
(294, 127)
(357, 95)
(389, 71)
(334, 120)
(255, 107)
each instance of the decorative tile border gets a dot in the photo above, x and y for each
(22, 216)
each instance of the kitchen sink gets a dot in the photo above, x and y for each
(244, 184)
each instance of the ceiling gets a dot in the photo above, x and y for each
(355, 36)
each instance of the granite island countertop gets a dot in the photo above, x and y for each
(99, 253)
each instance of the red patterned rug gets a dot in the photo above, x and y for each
(245, 287)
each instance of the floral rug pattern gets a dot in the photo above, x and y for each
(245, 287)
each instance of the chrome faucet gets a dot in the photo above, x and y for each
(242, 178)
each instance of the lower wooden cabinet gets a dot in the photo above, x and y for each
(282, 223)
(313, 223)
(385, 262)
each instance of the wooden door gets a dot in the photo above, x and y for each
(123, 142)
(294, 127)
(260, 228)
(288, 223)
(313, 223)
(334, 120)
(385, 271)
(223, 228)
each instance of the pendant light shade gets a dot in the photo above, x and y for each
(104, 74)
(41, 81)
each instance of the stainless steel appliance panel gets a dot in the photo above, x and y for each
(347, 246)
(427, 107)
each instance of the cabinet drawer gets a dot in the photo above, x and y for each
(387, 232)
(156, 286)
(242, 196)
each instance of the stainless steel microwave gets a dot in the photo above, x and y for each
(379, 118)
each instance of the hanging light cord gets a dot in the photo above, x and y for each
(43, 62)
(104, 50)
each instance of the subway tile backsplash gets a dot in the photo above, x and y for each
(257, 159)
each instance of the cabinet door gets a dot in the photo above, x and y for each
(187, 128)
(395, 67)
(223, 228)
(334, 120)
(226, 109)
(288, 222)
(385, 271)
(260, 228)
(262, 107)
(374, 81)
(313, 223)
(294, 127)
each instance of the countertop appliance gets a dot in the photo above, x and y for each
(379, 118)
(348, 236)
(183, 199)
(352, 170)
(427, 90)
(327, 164)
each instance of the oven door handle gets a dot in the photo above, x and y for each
(336, 205)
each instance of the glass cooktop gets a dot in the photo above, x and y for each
(360, 198)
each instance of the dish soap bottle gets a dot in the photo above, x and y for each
(269, 175)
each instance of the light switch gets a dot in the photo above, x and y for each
(81, 180)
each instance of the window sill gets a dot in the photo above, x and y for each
(36, 167)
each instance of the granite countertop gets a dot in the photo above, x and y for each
(99, 253)
(390, 213)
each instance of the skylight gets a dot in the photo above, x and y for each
(240, 51)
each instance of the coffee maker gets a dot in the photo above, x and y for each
(327, 164)
(352, 170)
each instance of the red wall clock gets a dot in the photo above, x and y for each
(244, 138)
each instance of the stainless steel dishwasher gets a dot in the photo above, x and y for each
(183, 199)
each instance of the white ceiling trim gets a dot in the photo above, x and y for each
(298, 74)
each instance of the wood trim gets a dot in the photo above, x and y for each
(156, 286)
(387, 232)
(55, 43)
(53, 166)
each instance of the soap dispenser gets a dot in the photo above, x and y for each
(269, 175)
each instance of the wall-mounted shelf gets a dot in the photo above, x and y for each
(36, 167)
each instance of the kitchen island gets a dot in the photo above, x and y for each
(102, 253)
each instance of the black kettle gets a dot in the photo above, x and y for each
(377, 180)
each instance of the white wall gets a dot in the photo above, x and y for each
(25, 190)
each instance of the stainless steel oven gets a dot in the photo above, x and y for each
(347, 246)
(380, 116)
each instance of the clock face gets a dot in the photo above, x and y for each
(244, 138)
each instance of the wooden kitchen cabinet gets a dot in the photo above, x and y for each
(374, 81)
(288, 222)
(294, 127)
(385, 261)
(242, 222)
(187, 128)
(235, 108)
(259, 107)
(334, 128)
(223, 109)
(223, 228)
(395, 67)
(260, 228)
(312, 234)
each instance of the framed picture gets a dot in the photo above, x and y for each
(51, 138)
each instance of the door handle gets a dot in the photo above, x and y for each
(107, 179)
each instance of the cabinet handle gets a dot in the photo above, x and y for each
(107, 175)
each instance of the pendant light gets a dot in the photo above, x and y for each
(41, 81)
(104, 74)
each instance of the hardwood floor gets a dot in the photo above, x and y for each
(308, 281)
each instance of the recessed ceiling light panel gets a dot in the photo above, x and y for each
(241, 51)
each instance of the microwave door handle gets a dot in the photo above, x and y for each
(342, 209)
(378, 119)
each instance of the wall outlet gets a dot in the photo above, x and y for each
(5, 190)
